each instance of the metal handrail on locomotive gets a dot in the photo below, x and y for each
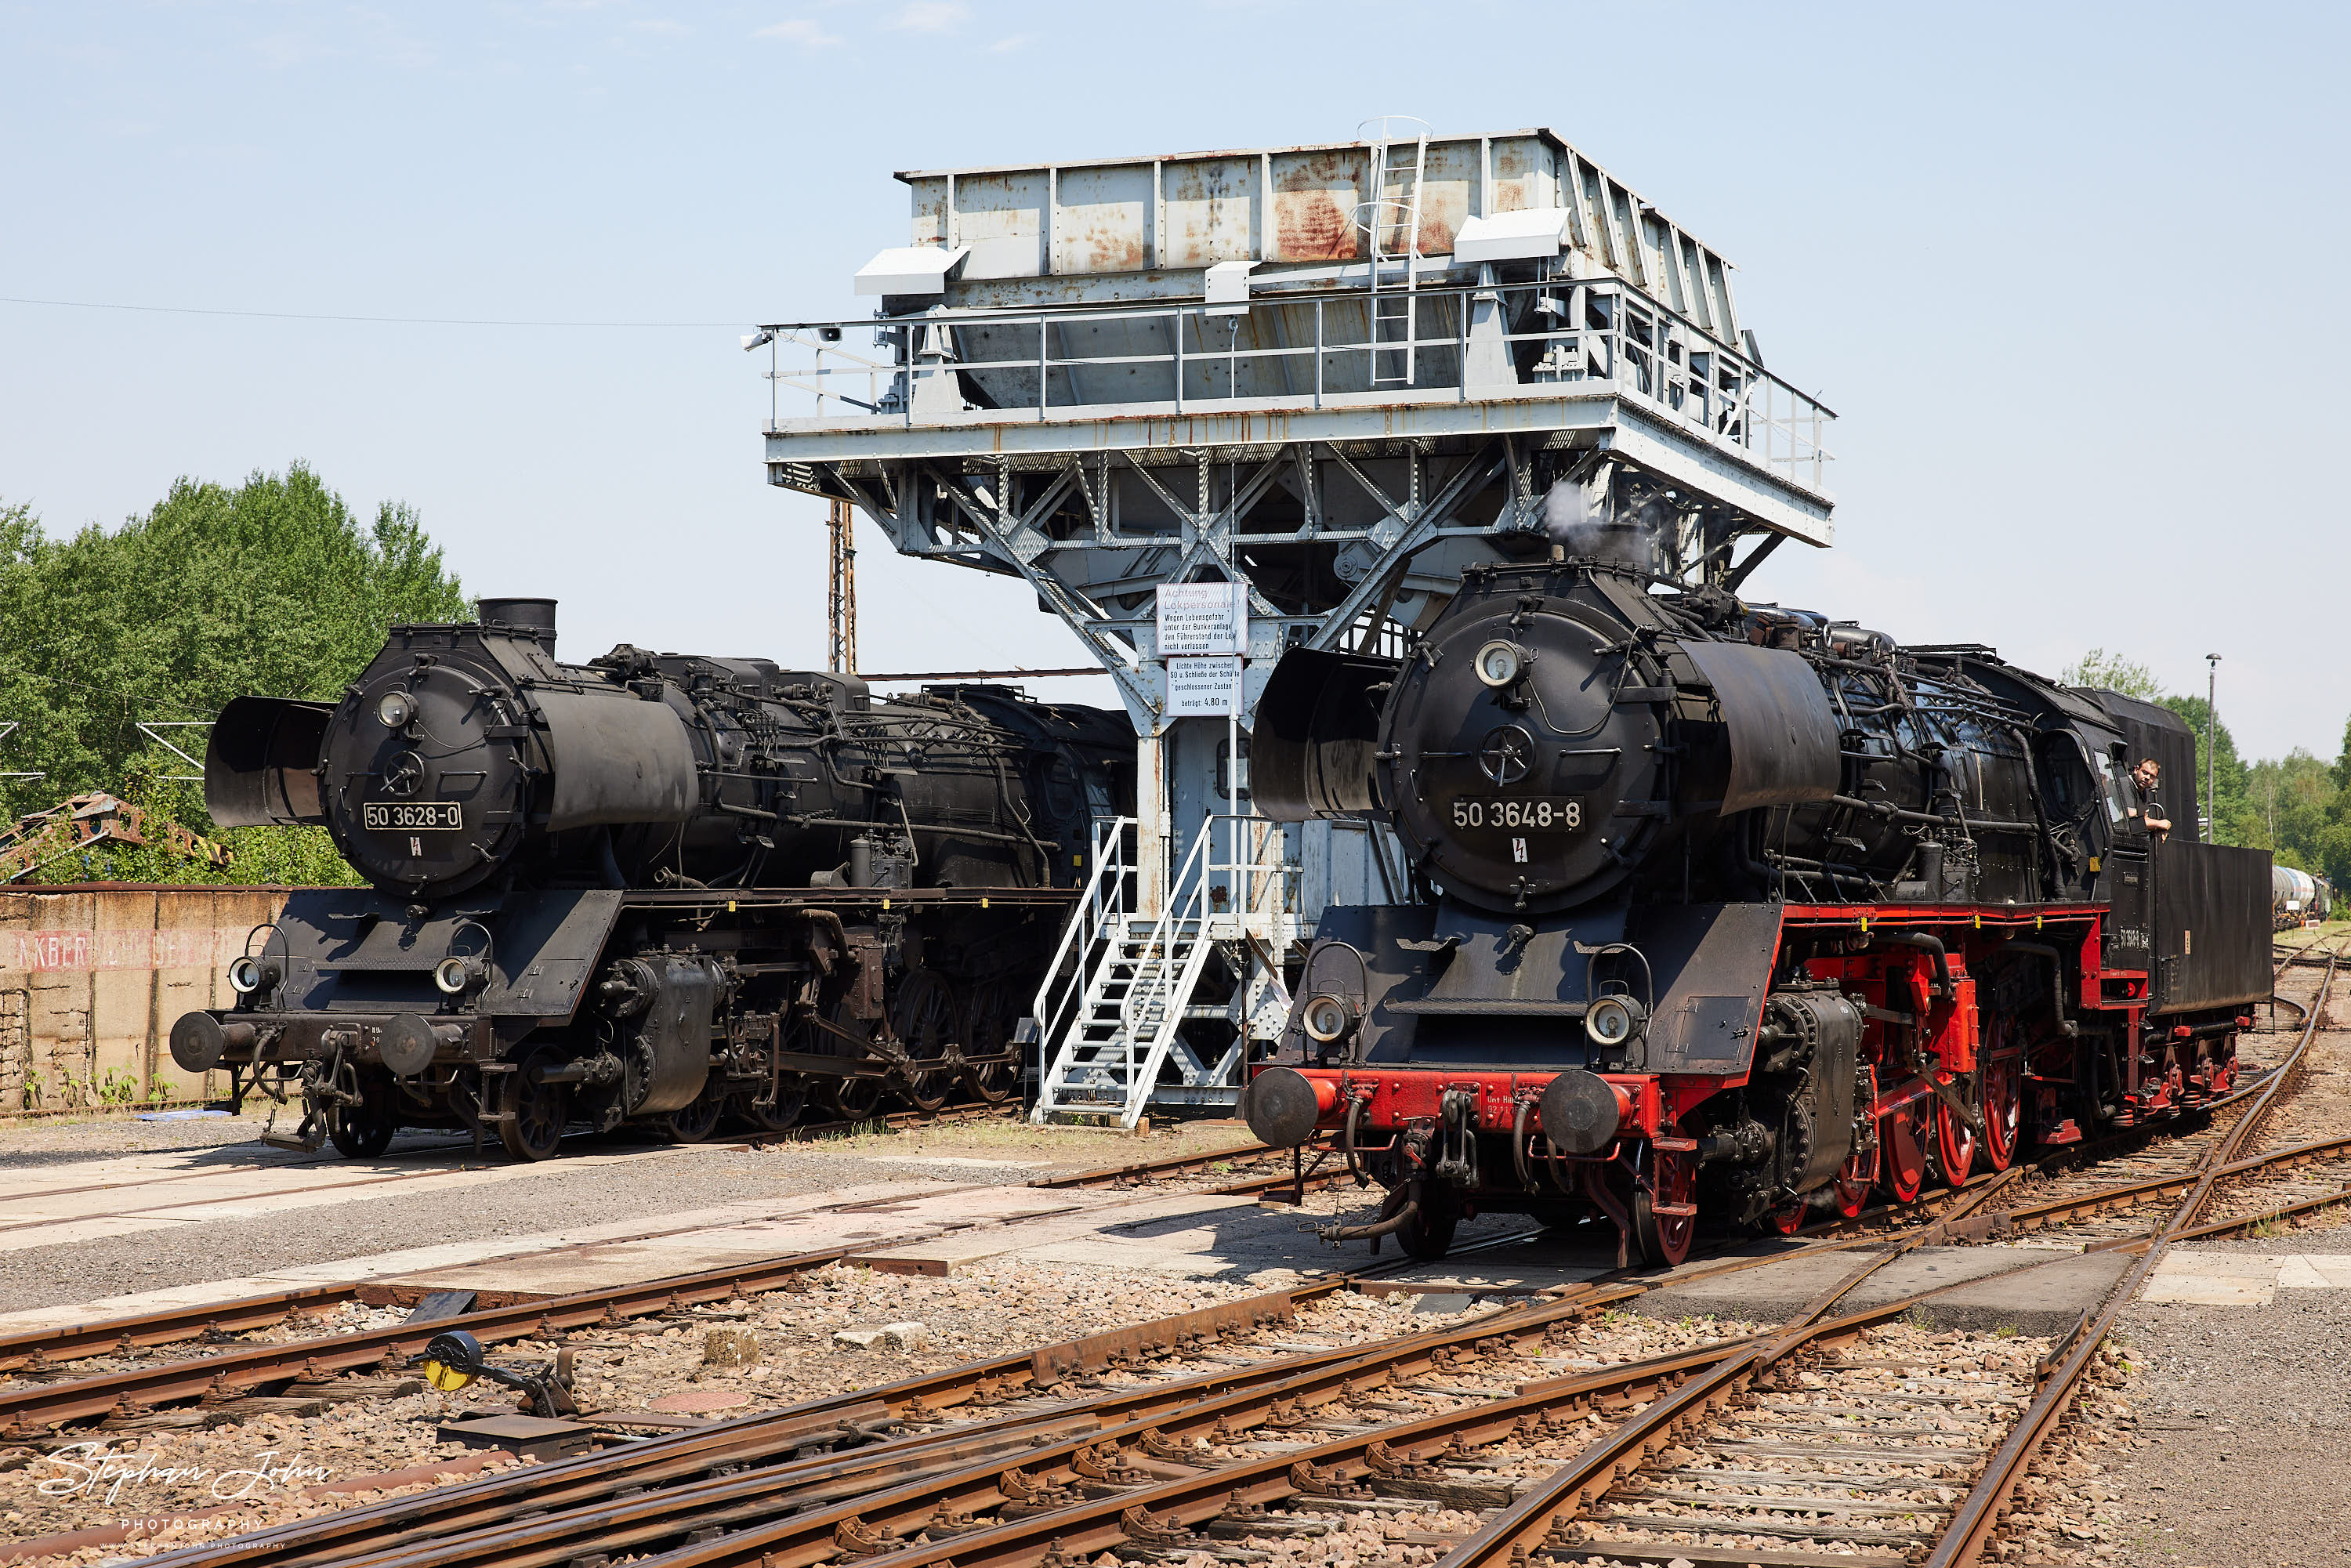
(653, 888)
(1737, 912)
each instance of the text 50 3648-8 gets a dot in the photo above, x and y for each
(1520, 813)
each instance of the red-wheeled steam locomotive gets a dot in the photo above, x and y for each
(1736, 912)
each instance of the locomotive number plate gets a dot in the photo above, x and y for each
(412, 817)
(1520, 813)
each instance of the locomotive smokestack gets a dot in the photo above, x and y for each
(523, 615)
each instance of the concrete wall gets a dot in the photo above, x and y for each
(91, 977)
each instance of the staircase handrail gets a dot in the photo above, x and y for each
(1162, 929)
(1170, 981)
(1093, 906)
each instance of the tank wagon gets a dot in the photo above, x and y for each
(2298, 898)
(1735, 912)
(653, 888)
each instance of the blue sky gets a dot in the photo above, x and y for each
(2072, 277)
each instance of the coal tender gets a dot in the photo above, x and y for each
(1732, 912)
(653, 888)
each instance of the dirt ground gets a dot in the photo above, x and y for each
(2231, 1445)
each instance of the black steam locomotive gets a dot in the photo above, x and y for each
(653, 888)
(1737, 911)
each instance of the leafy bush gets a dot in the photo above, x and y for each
(272, 587)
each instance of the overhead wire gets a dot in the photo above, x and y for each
(373, 320)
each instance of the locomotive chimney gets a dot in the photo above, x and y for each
(523, 615)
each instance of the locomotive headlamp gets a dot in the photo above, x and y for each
(1499, 663)
(1613, 1020)
(248, 975)
(455, 977)
(395, 709)
(1327, 1017)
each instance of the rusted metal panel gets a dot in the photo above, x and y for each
(1525, 173)
(1104, 220)
(930, 194)
(1212, 210)
(1134, 218)
(1001, 217)
(1315, 194)
(1448, 193)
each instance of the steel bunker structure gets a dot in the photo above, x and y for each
(1337, 375)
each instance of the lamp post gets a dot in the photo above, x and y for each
(2212, 732)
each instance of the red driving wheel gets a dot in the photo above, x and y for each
(1902, 1139)
(1955, 1144)
(1854, 1179)
(1665, 1212)
(2003, 1109)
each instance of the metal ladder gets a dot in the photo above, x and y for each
(1391, 308)
(1109, 1020)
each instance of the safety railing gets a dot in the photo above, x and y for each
(1318, 350)
(1099, 916)
(1115, 996)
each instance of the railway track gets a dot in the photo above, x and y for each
(42, 1394)
(1884, 1445)
(40, 1350)
(1026, 1408)
(1261, 1170)
(1184, 1459)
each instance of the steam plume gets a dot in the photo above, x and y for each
(1629, 535)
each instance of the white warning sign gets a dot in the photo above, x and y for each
(1196, 618)
(1207, 686)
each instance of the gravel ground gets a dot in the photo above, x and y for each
(2240, 1458)
(974, 1316)
(2230, 1448)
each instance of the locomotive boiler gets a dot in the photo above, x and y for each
(1733, 910)
(652, 888)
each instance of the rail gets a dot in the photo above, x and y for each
(1593, 336)
(1969, 1535)
(772, 1501)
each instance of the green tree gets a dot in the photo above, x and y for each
(2105, 671)
(2330, 848)
(272, 587)
(2231, 807)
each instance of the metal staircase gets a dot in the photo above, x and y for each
(1121, 984)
